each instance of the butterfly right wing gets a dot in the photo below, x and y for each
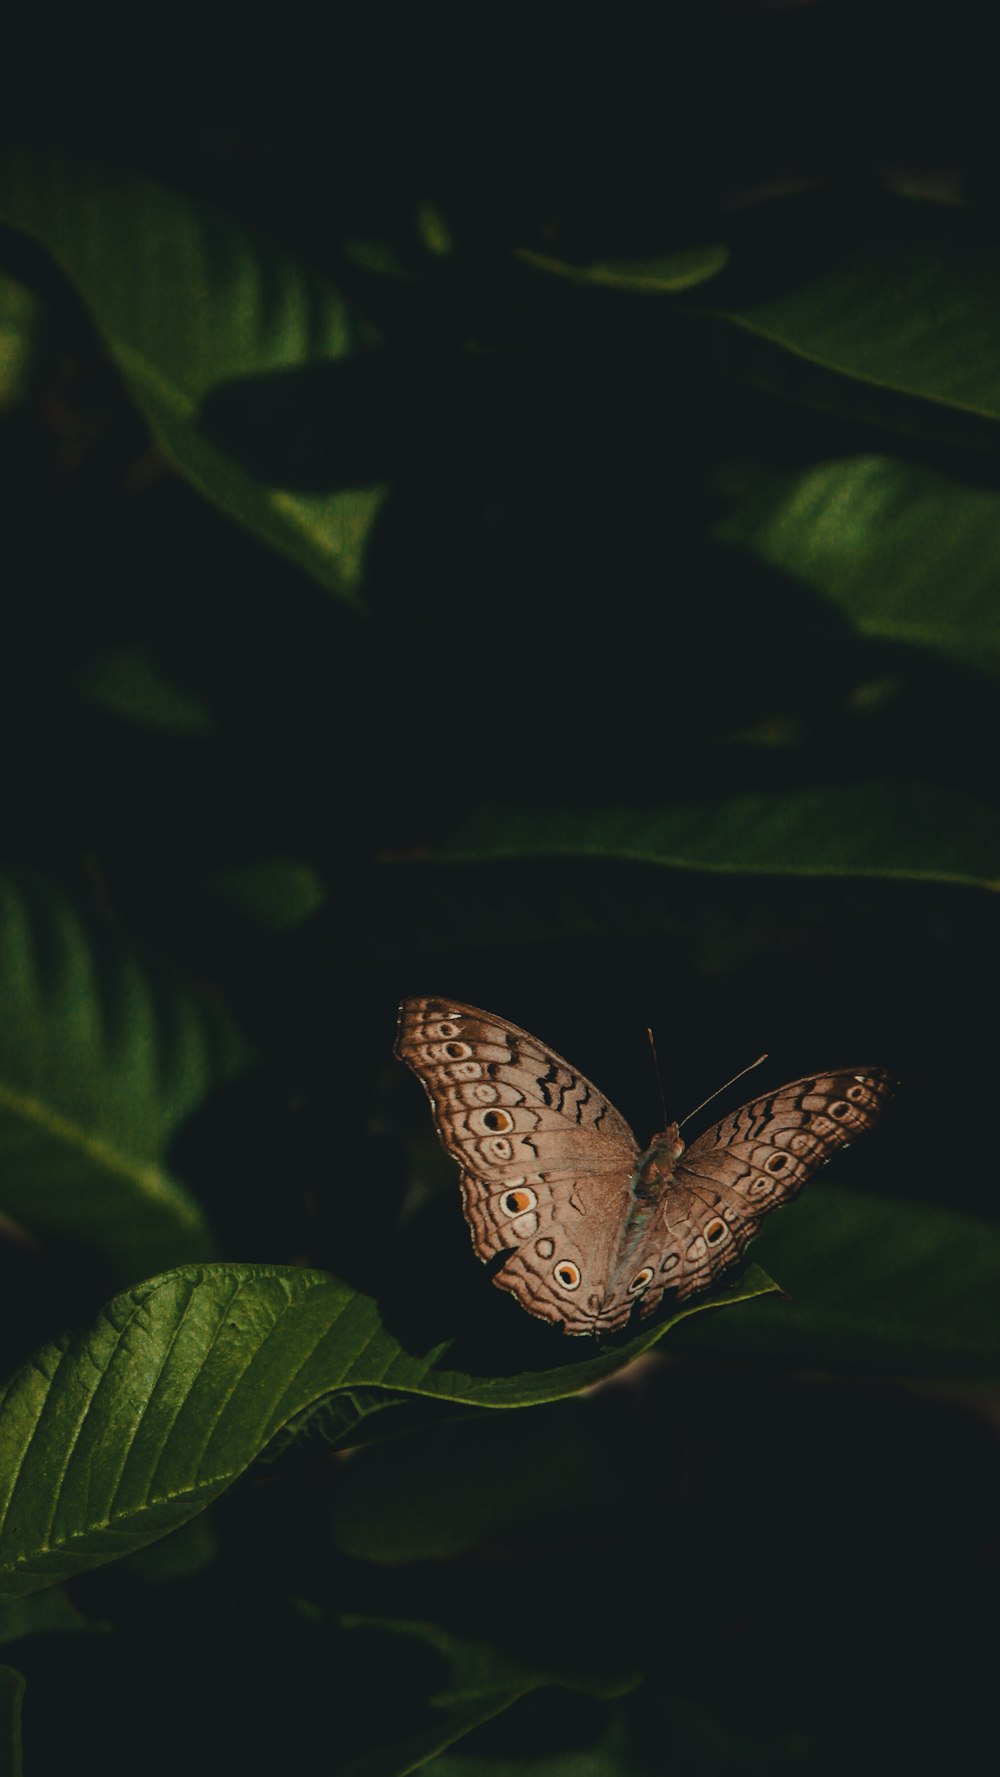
(756, 1159)
(546, 1160)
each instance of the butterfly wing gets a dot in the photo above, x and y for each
(731, 1177)
(546, 1160)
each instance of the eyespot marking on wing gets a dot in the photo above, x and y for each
(495, 1121)
(518, 1200)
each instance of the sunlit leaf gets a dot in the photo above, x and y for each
(658, 274)
(189, 300)
(909, 554)
(112, 1437)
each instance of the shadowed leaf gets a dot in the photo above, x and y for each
(102, 1059)
(188, 299)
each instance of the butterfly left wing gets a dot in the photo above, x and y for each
(723, 1185)
(546, 1159)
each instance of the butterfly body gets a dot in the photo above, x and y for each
(553, 1176)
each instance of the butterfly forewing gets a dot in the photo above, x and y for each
(546, 1159)
(503, 1101)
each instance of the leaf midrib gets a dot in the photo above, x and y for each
(150, 1178)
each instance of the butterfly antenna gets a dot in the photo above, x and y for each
(743, 1070)
(656, 1070)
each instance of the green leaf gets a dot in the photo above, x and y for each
(188, 300)
(113, 1437)
(37, 1614)
(879, 829)
(908, 308)
(275, 893)
(875, 1287)
(102, 1060)
(660, 273)
(132, 684)
(475, 1683)
(907, 553)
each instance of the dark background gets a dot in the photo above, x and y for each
(803, 1565)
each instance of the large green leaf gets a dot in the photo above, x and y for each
(906, 307)
(189, 300)
(878, 829)
(102, 1059)
(113, 1437)
(909, 554)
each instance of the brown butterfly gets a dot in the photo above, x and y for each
(552, 1173)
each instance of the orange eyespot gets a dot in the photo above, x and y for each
(498, 1122)
(715, 1231)
(567, 1274)
(515, 1203)
(641, 1280)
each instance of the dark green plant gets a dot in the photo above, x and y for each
(591, 615)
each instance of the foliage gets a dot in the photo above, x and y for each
(506, 578)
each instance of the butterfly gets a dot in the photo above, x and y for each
(553, 1176)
